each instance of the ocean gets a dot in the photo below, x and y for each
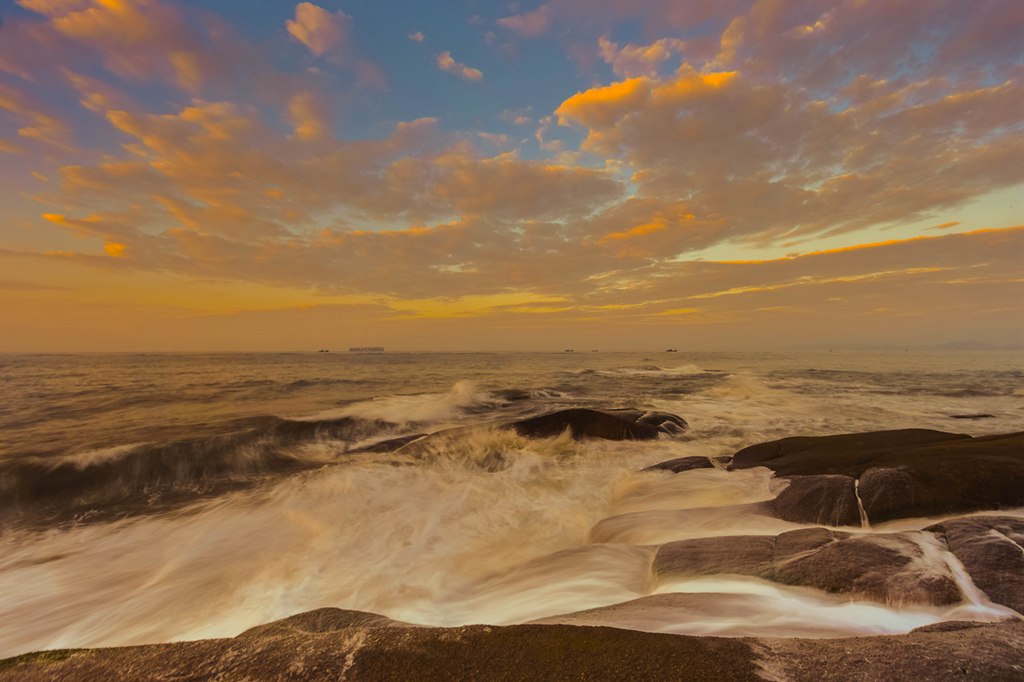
(166, 497)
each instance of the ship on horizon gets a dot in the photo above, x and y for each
(366, 349)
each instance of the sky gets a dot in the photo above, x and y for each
(187, 175)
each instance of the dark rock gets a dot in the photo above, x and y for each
(608, 424)
(739, 554)
(972, 416)
(828, 499)
(881, 567)
(991, 548)
(513, 394)
(682, 464)
(888, 492)
(795, 542)
(320, 621)
(847, 454)
(906, 473)
(377, 650)
(667, 423)
(990, 652)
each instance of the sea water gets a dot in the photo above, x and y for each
(160, 497)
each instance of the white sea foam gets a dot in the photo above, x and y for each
(478, 526)
(404, 409)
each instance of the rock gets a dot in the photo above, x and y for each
(682, 464)
(608, 424)
(847, 454)
(885, 568)
(346, 646)
(882, 567)
(738, 554)
(991, 651)
(667, 423)
(889, 492)
(828, 499)
(376, 650)
(991, 548)
(908, 473)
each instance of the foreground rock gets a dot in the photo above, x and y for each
(336, 644)
(607, 424)
(899, 474)
(991, 548)
(886, 568)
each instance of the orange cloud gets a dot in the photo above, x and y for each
(656, 225)
(309, 115)
(446, 62)
(319, 30)
(638, 60)
(601, 107)
(114, 250)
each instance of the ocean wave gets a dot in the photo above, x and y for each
(464, 397)
(148, 476)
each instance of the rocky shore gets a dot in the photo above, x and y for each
(347, 645)
(965, 493)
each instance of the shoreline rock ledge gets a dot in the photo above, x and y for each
(350, 645)
(896, 474)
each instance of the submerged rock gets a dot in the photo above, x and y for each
(607, 424)
(682, 464)
(906, 473)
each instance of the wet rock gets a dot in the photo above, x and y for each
(882, 567)
(320, 621)
(379, 651)
(740, 554)
(847, 454)
(828, 499)
(804, 540)
(987, 652)
(888, 492)
(607, 424)
(907, 473)
(991, 548)
(375, 649)
(682, 464)
(664, 421)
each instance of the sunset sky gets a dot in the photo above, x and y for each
(470, 174)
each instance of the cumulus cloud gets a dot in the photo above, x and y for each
(639, 60)
(446, 62)
(771, 125)
(318, 29)
(531, 25)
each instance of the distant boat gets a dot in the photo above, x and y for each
(323, 350)
(671, 350)
(569, 350)
(366, 349)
